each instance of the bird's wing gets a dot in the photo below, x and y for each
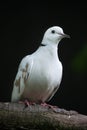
(21, 78)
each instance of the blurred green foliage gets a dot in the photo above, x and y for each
(79, 62)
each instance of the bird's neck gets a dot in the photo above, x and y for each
(46, 41)
(42, 44)
(50, 49)
(51, 45)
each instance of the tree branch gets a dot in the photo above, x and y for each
(36, 117)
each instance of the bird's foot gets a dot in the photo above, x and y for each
(27, 103)
(54, 108)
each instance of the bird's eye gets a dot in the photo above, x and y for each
(53, 31)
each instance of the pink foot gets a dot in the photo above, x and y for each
(28, 103)
(54, 108)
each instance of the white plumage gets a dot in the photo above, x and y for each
(39, 74)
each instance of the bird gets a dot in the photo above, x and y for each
(40, 73)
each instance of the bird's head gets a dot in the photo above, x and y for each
(53, 35)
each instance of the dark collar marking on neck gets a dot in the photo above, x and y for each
(42, 44)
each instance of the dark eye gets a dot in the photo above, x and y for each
(53, 31)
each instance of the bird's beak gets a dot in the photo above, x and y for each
(65, 35)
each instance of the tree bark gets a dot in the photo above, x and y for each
(15, 116)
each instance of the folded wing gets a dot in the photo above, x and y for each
(21, 78)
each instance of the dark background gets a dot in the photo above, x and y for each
(22, 26)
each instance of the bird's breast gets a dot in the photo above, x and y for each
(44, 76)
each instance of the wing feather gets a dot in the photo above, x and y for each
(21, 78)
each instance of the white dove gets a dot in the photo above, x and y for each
(39, 74)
